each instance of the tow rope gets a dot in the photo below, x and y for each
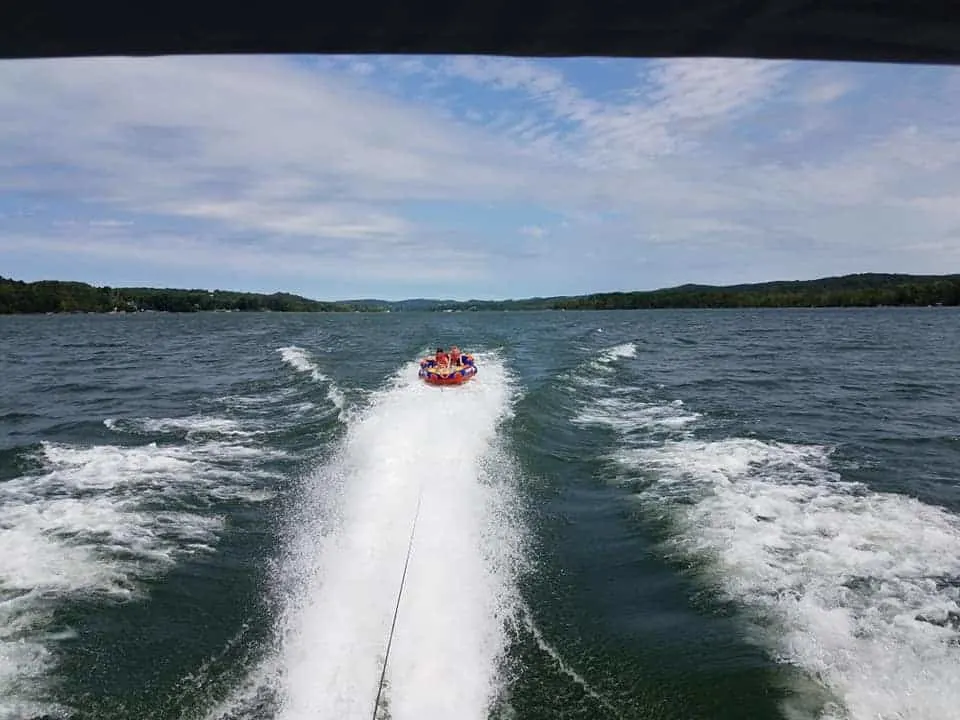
(396, 610)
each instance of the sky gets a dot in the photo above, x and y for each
(468, 177)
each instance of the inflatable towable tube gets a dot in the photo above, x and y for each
(449, 375)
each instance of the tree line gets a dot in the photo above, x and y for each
(861, 290)
(868, 290)
(53, 296)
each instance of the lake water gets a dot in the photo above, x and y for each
(669, 515)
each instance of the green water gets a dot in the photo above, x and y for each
(674, 515)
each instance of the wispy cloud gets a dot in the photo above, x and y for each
(534, 231)
(477, 176)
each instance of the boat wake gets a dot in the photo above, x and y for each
(853, 587)
(346, 548)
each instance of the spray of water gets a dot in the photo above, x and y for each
(348, 544)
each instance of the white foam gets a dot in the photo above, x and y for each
(844, 580)
(349, 549)
(298, 359)
(624, 350)
(628, 415)
(562, 665)
(85, 525)
(596, 372)
(603, 361)
(257, 401)
(617, 405)
(192, 424)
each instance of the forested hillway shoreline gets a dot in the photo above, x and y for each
(859, 290)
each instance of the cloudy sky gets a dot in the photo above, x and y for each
(469, 177)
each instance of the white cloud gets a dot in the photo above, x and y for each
(176, 251)
(824, 92)
(329, 220)
(249, 123)
(697, 93)
(694, 88)
(332, 158)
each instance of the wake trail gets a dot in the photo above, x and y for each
(414, 443)
(96, 521)
(859, 589)
(564, 667)
(299, 359)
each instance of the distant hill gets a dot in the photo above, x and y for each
(859, 290)
(412, 305)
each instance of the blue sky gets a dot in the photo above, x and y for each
(473, 177)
